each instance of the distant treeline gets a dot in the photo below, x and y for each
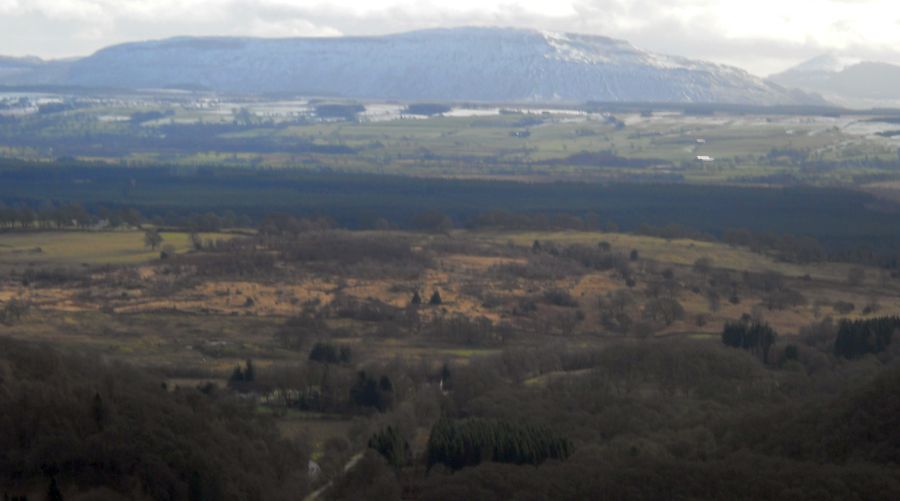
(74, 216)
(165, 138)
(605, 158)
(793, 221)
(732, 109)
(426, 109)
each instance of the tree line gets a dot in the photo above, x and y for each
(51, 216)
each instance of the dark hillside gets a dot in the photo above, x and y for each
(90, 424)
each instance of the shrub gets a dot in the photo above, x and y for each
(559, 297)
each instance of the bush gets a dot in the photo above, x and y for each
(703, 265)
(366, 311)
(299, 331)
(559, 297)
(843, 307)
(594, 258)
(466, 331)
(13, 311)
(664, 309)
(782, 299)
(328, 353)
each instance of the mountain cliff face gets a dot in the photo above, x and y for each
(844, 79)
(478, 64)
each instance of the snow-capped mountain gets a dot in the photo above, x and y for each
(845, 80)
(476, 64)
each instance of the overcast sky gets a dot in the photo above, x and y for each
(762, 36)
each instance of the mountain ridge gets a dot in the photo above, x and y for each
(477, 64)
(844, 79)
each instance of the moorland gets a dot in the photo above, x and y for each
(231, 298)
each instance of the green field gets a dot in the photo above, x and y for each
(88, 247)
(749, 147)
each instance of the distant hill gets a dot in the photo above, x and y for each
(16, 67)
(33, 71)
(476, 64)
(844, 79)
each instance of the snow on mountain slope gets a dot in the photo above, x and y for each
(478, 64)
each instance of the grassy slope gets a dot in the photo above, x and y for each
(685, 252)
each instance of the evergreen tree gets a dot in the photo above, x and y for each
(367, 391)
(860, 337)
(445, 377)
(98, 409)
(53, 492)
(791, 353)
(346, 355)
(435, 299)
(385, 384)
(324, 353)
(416, 299)
(390, 444)
(756, 337)
(371, 392)
(249, 372)
(195, 487)
(469, 442)
(237, 376)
